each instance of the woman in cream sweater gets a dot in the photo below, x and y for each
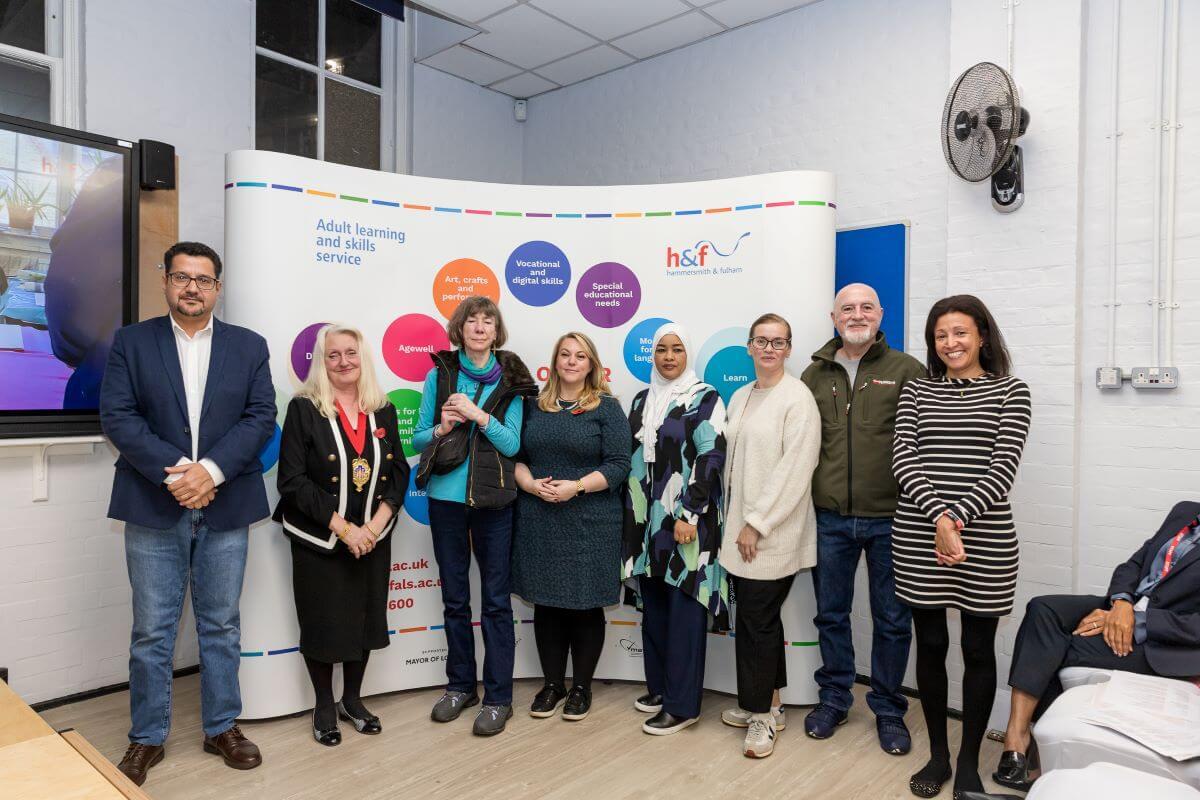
(774, 437)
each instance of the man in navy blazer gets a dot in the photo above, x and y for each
(188, 402)
(1148, 622)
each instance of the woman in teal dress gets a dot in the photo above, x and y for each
(672, 530)
(567, 531)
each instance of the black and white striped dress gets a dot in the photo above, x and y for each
(958, 444)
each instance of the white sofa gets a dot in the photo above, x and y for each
(1070, 677)
(1066, 742)
(1105, 781)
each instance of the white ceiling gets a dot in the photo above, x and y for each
(526, 47)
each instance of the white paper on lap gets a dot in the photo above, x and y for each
(1162, 714)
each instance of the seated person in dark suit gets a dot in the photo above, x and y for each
(1149, 623)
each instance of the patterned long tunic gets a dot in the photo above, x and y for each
(566, 555)
(958, 445)
(684, 482)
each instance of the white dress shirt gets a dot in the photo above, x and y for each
(194, 353)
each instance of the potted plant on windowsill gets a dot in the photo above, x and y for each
(23, 205)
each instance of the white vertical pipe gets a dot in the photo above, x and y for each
(1156, 261)
(1012, 25)
(1172, 128)
(1112, 195)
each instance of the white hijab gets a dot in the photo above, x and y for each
(663, 393)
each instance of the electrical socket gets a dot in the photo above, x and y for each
(1154, 377)
(1108, 377)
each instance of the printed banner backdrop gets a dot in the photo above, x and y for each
(309, 243)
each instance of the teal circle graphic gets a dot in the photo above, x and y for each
(726, 337)
(639, 360)
(729, 370)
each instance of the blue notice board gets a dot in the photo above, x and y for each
(878, 255)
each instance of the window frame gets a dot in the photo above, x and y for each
(390, 36)
(61, 60)
(61, 63)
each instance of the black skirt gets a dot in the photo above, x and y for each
(341, 601)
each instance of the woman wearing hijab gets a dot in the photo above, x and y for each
(672, 530)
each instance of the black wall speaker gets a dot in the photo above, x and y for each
(158, 164)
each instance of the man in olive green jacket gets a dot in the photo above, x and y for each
(856, 380)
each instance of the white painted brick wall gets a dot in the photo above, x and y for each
(857, 86)
(1140, 451)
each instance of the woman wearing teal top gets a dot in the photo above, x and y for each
(470, 504)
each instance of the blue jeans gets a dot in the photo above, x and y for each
(840, 540)
(457, 528)
(160, 563)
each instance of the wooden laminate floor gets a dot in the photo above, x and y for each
(604, 756)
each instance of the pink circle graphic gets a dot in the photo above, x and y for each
(302, 349)
(407, 343)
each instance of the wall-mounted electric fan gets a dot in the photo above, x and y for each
(980, 124)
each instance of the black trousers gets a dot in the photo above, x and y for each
(674, 646)
(560, 632)
(758, 642)
(1045, 644)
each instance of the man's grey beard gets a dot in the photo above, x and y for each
(854, 337)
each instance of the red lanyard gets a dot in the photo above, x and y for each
(358, 438)
(1171, 551)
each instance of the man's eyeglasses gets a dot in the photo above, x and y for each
(180, 280)
(762, 342)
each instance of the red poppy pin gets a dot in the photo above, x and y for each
(380, 433)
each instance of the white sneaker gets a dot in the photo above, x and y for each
(740, 718)
(760, 736)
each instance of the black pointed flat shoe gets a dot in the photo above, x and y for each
(330, 737)
(926, 787)
(369, 724)
(1014, 768)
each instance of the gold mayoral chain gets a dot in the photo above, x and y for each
(360, 468)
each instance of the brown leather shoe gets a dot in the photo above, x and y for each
(238, 751)
(138, 760)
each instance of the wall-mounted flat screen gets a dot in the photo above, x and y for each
(68, 219)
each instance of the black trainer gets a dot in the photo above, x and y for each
(664, 723)
(546, 702)
(579, 703)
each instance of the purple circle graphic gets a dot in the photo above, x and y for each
(608, 294)
(302, 349)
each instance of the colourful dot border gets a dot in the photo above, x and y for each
(686, 212)
(398, 631)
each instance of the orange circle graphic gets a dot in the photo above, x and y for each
(460, 279)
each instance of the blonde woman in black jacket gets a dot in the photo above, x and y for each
(342, 480)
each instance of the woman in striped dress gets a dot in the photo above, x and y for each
(959, 436)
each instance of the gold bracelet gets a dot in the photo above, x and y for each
(345, 532)
(579, 487)
(371, 530)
